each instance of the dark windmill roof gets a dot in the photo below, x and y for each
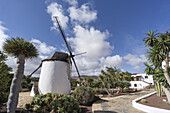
(58, 56)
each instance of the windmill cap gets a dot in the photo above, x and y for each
(58, 56)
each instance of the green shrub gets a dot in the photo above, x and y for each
(100, 91)
(123, 84)
(5, 80)
(125, 89)
(96, 84)
(84, 95)
(26, 83)
(53, 103)
(74, 83)
(143, 101)
(88, 81)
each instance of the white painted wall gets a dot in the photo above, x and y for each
(149, 79)
(140, 85)
(146, 108)
(163, 64)
(54, 77)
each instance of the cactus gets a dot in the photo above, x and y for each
(143, 101)
(158, 88)
(53, 103)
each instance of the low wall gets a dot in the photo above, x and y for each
(145, 108)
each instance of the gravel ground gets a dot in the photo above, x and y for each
(24, 98)
(120, 104)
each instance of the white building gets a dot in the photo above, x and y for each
(55, 75)
(164, 63)
(141, 81)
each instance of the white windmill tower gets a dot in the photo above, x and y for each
(56, 71)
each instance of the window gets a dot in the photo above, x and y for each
(146, 77)
(135, 85)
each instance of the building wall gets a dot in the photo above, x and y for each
(54, 77)
(144, 81)
(140, 85)
(163, 64)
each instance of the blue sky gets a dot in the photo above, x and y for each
(111, 32)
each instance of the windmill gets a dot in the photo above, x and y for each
(55, 71)
(68, 46)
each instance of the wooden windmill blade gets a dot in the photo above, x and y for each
(68, 46)
(36, 69)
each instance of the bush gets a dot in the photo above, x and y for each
(123, 84)
(26, 82)
(74, 83)
(88, 81)
(99, 91)
(84, 95)
(5, 80)
(53, 103)
(125, 89)
(96, 84)
(143, 101)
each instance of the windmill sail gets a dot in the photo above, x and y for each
(68, 47)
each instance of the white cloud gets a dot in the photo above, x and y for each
(137, 68)
(71, 2)
(30, 65)
(42, 47)
(135, 59)
(112, 61)
(95, 43)
(83, 14)
(91, 41)
(3, 36)
(55, 9)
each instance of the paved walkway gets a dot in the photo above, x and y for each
(119, 104)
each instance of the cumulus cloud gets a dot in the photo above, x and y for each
(112, 61)
(55, 9)
(30, 65)
(43, 48)
(91, 41)
(134, 59)
(83, 14)
(71, 2)
(95, 43)
(3, 36)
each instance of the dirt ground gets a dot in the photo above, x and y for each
(24, 98)
(156, 101)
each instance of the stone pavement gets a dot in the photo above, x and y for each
(119, 104)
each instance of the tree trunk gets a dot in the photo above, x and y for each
(167, 93)
(16, 85)
(166, 68)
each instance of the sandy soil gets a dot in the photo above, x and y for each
(24, 98)
(156, 101)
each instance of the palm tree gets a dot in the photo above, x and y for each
(163, 46)
(150, 40)
(158, 52)
(155, 57)
(21, 49)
